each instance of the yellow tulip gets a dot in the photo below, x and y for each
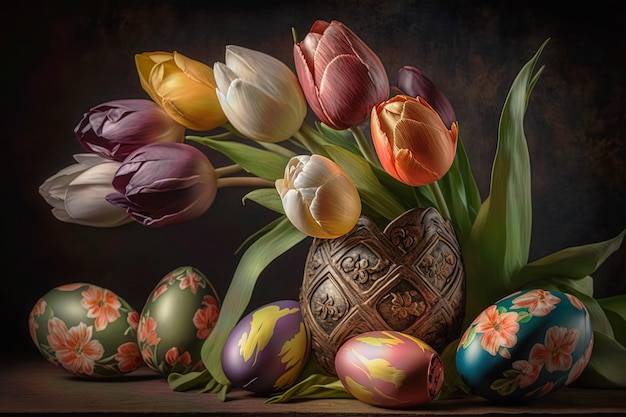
(318, 197)
(183, 87)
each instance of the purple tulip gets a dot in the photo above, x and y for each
(116, 128)
(162, 184)
(412, 82)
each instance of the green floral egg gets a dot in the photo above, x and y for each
(178, 316)
(87, 330)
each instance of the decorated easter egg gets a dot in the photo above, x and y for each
(87, 330)
(178, 316)
(268, 348)
(389, 369)
(526, 345)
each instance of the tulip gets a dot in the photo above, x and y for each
(319, 199)
(116, 128)
(412, 82)
(342, 78)
(78, 192)
(183, 87)
(161, 184)
(260, 95)
(411, 141)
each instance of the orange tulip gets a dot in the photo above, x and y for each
(412, 142)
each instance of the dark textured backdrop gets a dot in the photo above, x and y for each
(61, 58)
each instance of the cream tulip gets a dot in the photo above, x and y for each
(77, 193)
(259, 94)
(319, 199)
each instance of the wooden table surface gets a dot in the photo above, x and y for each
(35, 386)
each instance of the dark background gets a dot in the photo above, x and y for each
(61, 58)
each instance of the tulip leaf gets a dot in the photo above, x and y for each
(615, 310)
(499, 242)
(341, 138)
(459, 189)
(254, 260)
(605, 368)
(372, 192)
(260, 162)
(267, 197)
(573, 262)
(314, 386)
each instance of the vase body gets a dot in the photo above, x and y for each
(408, 277)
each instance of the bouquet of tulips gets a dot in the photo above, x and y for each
(376, 150)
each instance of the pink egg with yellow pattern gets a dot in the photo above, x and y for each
(389, 369)
(87, 330)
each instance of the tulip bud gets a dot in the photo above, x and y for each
(77, 193)
(342, 78)
(412, 82)
(116, 128)
(319, 199)
(183, 87)
(260, 95)
(412, 143)
(161, 184)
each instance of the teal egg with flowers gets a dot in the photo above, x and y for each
(525, 346)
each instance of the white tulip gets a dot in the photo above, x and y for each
(318, 197)
(260, 95)
(77, 193)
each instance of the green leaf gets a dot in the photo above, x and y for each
(605, 368)
(499, 241)
(574, 262)
(255, 259)
(615, 310)
(189, 381)
(373, 194)
(341, 138)
(453, 384)
(314, 386)
(460, 192)
(267, 197)
(260, 162)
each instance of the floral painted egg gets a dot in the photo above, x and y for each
(389, 369)
(178, 316)
(87, 330)
(526, 345)
(268, 348)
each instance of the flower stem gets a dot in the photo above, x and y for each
(364, 146)
(243, 182)
(228, 170)
(441, 202)
(307, 136)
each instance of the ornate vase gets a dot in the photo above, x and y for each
(407, 278)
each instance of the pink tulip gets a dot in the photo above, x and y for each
(412, 82)
(342, 78)
(411, 141)
(116, 128)
(165, 183)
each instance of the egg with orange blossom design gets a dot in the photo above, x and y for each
(87, 330)
(178, 316)
(389, 369)
(525, 346)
